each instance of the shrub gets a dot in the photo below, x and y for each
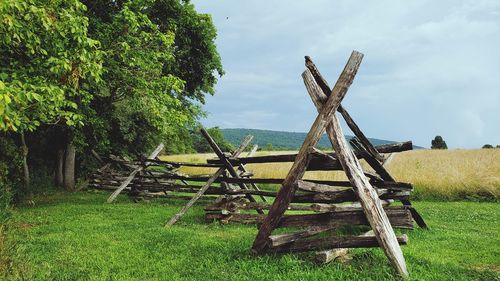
(438, 143)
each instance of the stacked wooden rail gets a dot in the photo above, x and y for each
(311, 195)
(150, 177)
(322, 208)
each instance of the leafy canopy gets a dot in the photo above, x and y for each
(160, 61)
(46, 59)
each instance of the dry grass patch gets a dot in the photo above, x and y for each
(453, 174)
(436, 174)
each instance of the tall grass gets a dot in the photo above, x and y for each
(450, 174)
(436, 174)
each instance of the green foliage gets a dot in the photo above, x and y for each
(137, 105)
(268, 147)
(114, 76)
(47, 58)
(196, 56)
(438, 143)
(154, 79)
(77, 237)
(201, 145)
(488, 146)
(9, 174)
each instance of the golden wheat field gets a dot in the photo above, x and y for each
(445, 174)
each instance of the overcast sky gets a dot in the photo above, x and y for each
(430, 67)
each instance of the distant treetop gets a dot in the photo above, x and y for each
(438, 143)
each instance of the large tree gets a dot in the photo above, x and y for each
(46, 60)
(103, 74)
(160, 62)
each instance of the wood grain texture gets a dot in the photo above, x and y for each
(299, 167)
(229, 167)
(371, 154)
(281, 239)
(367, 195)
(317, 162)
(399, 218)
(333, 242)
(321, 82)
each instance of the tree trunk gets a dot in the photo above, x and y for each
(69, 167)
(26, 171)
(59, 176)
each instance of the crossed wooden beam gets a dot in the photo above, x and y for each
(227, 166)
(361, 142)
(132, 174)
(327, 103)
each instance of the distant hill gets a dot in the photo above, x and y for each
(281, 140)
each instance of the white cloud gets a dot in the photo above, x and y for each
(430, 67)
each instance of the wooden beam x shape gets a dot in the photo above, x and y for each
(364, 148)
(211, 180)
(367, 195)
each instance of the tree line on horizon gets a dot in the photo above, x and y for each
(439, 143)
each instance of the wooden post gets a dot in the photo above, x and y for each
(244, 170)
(252, 151)
(289, 186)
(131, 176)
(211, 180)
(367, 195)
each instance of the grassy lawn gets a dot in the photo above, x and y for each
(78, 237)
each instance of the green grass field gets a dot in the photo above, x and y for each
(78, 237)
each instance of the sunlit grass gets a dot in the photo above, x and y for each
(436, 174)
(450, 173)
(76, 236)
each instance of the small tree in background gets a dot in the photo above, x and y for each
(488, 146)
(268, 147)
(438, 143)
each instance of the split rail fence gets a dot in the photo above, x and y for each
(318, 208)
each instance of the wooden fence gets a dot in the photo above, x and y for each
(319, 208)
